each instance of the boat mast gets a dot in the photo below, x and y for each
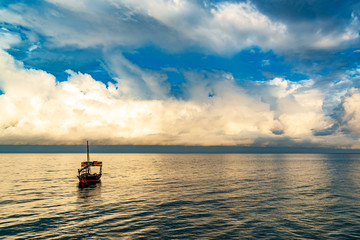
(88, 157)
(87, 151)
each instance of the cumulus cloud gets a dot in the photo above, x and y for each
(351, 108)
(38, 109)
(298, 107)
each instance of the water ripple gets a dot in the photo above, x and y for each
(169, 196)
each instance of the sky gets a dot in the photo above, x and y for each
(260, 73)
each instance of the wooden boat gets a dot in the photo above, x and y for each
(86, 174)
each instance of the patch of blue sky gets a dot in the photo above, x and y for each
(176, 79)
(40, 55)
(329, 66)
(353, 57)
(250, 64)
(57, 61)
(324, 71)
(16, 29)
(6, 3)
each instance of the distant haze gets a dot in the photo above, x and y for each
(165, 149)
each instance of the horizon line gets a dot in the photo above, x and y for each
(166, 149)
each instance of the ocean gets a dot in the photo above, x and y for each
(182, 196)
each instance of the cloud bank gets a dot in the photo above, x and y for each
(38, 109)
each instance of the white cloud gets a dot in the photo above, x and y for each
(322, 40)
(135, 82)
(333, 40)
(37, 109)
(12, 17)
(298, 107)
(223, 28)
(235, 26)
(83, 24)
(7, 39)
(351, 107)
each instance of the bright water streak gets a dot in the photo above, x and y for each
(188, 196)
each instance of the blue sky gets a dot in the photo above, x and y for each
(171, 72)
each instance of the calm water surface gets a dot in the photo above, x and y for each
(182, 196)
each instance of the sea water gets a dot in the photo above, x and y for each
(182, 196)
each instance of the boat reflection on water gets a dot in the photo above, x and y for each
(89, 196)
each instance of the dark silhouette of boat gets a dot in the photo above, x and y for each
(86, 175)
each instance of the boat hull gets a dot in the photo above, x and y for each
(85, 180)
